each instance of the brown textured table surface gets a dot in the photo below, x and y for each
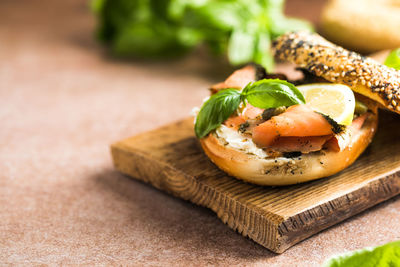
(62, 102)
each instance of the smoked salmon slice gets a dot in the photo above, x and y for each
(299, 144)
(299, 129)
(296, 121)
(238, 79)
(249, 113)
(234, 122)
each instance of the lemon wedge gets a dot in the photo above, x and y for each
(335, 100)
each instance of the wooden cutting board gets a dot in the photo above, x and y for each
(171, 159)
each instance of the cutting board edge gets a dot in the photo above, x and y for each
(358, 200)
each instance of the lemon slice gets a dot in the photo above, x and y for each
(335, 100)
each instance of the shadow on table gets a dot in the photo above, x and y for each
(179, 223)
(184, 226)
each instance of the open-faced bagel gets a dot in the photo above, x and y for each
(362, 25)
(285, 171)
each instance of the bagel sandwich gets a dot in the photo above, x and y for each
(268, 130)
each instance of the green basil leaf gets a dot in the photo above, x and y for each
(219, 15)
(386, 255)
(136, 41)
(261, 55)
(241, 47)
(393, 59)
(272, 93)
(216, 110)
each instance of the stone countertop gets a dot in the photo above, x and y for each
(63, 101)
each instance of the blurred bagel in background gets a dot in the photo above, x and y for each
(362, 25)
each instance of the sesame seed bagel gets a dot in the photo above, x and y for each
(338, 65)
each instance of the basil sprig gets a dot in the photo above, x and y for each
(266, 93)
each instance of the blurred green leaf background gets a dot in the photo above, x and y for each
(241, 29)
(387, 255)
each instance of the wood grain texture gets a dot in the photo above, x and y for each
(170, 158)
